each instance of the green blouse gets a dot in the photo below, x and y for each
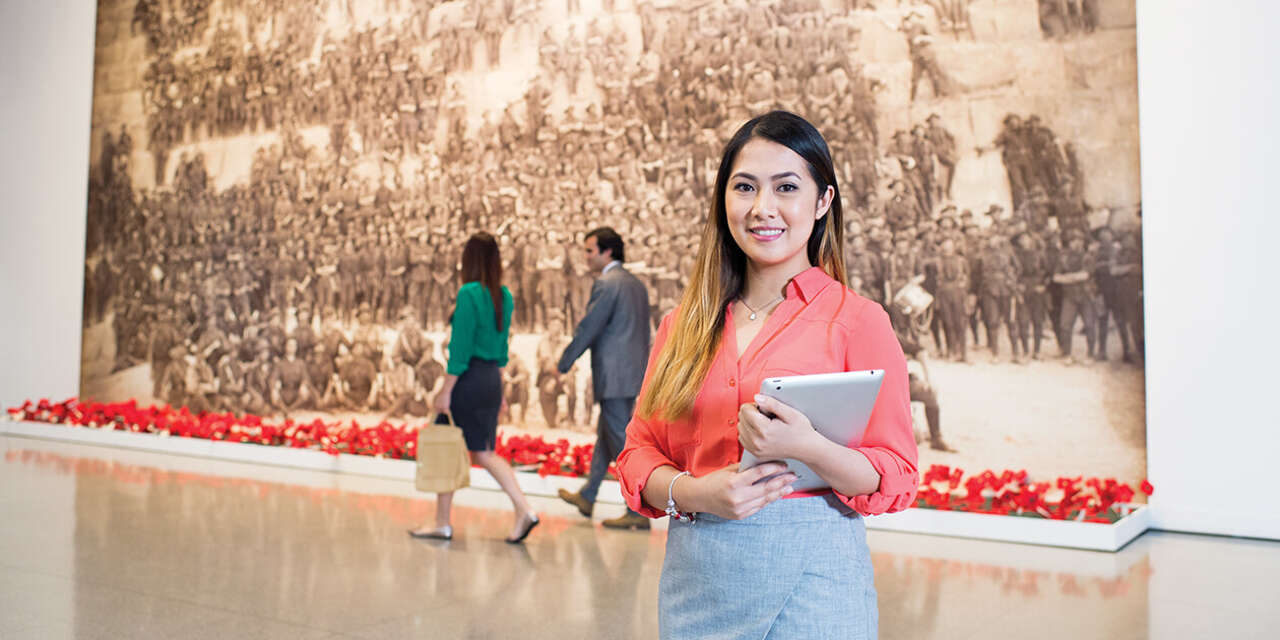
(474, 334)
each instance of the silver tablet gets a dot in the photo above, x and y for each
(837, 404)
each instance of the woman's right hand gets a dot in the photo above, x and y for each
(733, 494)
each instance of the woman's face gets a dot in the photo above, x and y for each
(772, 203)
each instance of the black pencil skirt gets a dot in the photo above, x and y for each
(476, 400)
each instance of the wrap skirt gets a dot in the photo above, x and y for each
(799, 568)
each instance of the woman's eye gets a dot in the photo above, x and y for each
(742, 187)
(787, 187)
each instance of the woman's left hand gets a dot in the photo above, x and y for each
(786, 435)
(442, 400)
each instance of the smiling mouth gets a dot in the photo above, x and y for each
(765, 234)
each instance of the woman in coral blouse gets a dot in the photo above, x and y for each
(767, 298)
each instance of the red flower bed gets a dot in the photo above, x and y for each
(1013, 493)
(1006, 493)
(383, 440)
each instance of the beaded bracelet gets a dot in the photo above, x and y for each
(671, 501)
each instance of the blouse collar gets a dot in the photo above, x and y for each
(808, 283)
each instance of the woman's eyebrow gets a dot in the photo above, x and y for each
(776, 176)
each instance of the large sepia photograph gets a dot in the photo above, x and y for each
(280, 191)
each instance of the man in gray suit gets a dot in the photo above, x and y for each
(615, 328)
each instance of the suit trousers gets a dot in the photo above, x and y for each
(611, 435)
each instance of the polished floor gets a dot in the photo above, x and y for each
(109, 543)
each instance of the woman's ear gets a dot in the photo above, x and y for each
(824, 202)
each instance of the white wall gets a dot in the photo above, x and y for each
(1208, 97)
(46, 73)
(1209, 141)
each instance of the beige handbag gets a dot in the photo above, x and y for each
(443, 463)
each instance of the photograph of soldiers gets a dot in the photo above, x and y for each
(274, 187)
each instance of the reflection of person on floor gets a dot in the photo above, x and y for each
(615, 328)
(922, 390)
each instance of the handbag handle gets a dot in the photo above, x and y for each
(448, 415)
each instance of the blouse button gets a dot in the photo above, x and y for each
(732, 382)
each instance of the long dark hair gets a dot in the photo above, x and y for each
(482, 263)
(721, 268)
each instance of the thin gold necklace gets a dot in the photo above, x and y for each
(764, 307)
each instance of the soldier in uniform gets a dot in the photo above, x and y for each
(902, 210)
(921, 390)
(290, 381)
(1107, 250)
(231, 384)
(357, 377)
(924, 152)
(1016, 155)
(551, 383)
(164, 337)
(953, 288)
(1033, 296)
(1072, 273)
(902, 268)
(1126, 268)
(944, 145)
(304, 334)
(420, 276)
(516, 392)
(999, 276)
(320, 375)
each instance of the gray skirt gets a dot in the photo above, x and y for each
(800, 568)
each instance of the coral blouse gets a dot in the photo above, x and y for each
(820, 327)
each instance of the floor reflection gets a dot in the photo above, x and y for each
(108, 543)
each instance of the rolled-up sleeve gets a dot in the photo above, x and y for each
(888, 443)
(644, 450)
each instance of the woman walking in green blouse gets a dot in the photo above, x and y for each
(480, 332)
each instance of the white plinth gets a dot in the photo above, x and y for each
(1057, 533)
(343, 463)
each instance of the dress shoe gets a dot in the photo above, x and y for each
(627, 521)
(575, 498)
(524, 533)
(440, 533)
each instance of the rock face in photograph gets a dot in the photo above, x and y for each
(280, 191)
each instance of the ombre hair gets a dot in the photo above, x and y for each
(720, 272)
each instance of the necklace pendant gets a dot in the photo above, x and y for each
(751, 317)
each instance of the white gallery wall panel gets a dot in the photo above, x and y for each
(46, 57)
(1208, 98)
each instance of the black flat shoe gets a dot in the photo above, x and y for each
(443, 533)
(525, 533)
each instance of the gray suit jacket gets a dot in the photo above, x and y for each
(616, 330)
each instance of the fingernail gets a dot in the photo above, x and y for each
(760, 398)
(786, 491)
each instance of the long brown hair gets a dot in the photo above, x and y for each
(482, 263)
(720, 272)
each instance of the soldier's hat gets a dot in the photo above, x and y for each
(1010, 117)
(993, 209)
(918, 127)
(932, 117)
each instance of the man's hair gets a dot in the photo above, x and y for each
(608, 239)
